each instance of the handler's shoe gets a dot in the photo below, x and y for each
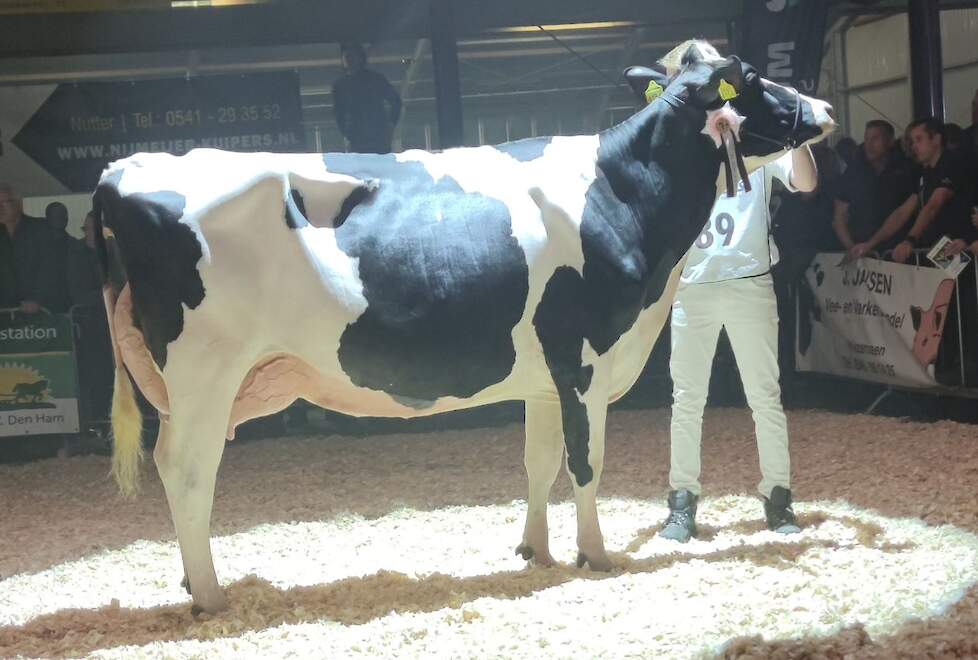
(681, 523)
(777, 510)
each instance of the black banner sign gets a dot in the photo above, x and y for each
(82, 127)
(783, 39)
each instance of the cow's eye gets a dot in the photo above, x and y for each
(750, 78)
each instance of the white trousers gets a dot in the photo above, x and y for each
(747, 308)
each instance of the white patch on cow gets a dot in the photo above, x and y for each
(630, 353)
(822, 115)
(672, 60)
(589, 358)
(323, 193)
(300, 279)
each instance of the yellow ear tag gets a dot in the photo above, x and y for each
(727, 91)
(653, 91)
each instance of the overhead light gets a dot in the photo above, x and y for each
(601, 25)
(215, 3)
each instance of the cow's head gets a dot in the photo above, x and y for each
(929, 324)
(777, 117)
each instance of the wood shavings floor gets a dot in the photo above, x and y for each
(402, 545)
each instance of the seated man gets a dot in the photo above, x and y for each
(878, 181)
(943, 198)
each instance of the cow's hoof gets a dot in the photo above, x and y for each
(185, 583)
(542, 559)
(220, 605)
(602, 565)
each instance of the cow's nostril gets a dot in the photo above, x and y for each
(830, 111)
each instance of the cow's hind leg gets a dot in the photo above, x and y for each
(542, 453)
(187, 456)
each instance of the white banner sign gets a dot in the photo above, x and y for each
(38, 380)
(872, 320)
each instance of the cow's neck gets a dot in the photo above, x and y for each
(664, 171)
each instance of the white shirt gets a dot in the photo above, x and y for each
(736, 241)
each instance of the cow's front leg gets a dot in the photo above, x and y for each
(581, 378)
(542, 453)
(583, 394)
(584, 424)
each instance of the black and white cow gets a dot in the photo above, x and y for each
(417, 283)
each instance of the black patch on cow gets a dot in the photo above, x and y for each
(525, 150)
(560, 324)
(295, 210)
(159, 255)
(359, 195)
(444, 278)
(417, 404)
(642, 213)
(652, 195)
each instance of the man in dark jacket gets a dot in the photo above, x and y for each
(25, 244)
(879, 180)
(367, 106)
(84, 280)
(61, 243)
(942, 203)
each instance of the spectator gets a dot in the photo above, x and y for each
(969, 240)
(943, 198)
(953, 137)
(61, 243)
(367, 106)
(878, 181)
(847, 150)
(957, 142)
(971, 133)
(905, 147)
(8, 275)
(802, 228)
(33, 283)
(803, 223)
(93, 349)
(84, 278)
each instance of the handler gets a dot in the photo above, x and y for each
(727, 283)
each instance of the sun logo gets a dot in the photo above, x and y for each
(21, 384)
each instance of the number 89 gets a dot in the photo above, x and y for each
(724, 227)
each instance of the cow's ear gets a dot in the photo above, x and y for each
(648, 84)
(724, 83)
(732, 71)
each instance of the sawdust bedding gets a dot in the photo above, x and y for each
(402, 545)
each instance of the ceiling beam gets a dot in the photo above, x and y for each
(319, 21)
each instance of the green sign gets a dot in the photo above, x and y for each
(38, 378)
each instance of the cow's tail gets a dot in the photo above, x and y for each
(127, 420)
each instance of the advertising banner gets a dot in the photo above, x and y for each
(38, 380)
(873, 320)
(58, 138)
